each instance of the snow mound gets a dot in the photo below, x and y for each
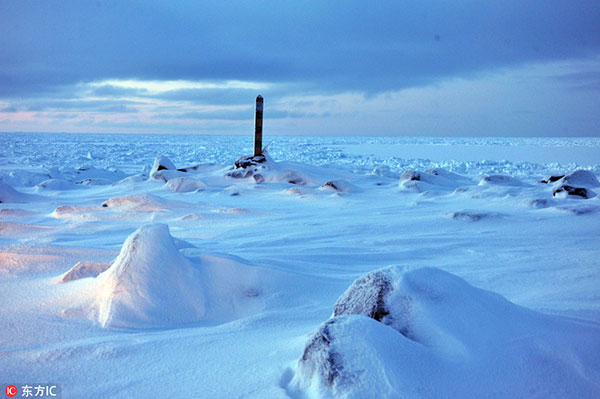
(338, 186)
(84, 270)
(70, 211)
(151, 284)
(56, 184)
(130, 180)
(414, 333)
(262, 169)
(9, 194)
(94, 181)
(137, 202)
(501, 180)
(431, 179)
(185, 185)
(471, 216)
(581, 178)
(89, 173)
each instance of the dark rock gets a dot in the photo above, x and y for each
(366, 296)
(501, 180)
(539, 203)
(246, 167)
(244, 162)
(552, 179)
(162, 167)
(572, 191)
(292, 177)
(240, 173)
(319, 356)
(332, 185)
(259, 178)
(469, 216)
(411, 175)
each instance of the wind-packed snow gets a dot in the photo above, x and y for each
(360, 267)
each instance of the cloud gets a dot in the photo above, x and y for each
(324, 47)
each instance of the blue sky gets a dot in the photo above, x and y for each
(449, 68)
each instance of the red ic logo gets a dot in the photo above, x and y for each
(11, 391)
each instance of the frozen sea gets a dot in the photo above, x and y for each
(203, 284)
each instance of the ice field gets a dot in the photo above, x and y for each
(353, 267)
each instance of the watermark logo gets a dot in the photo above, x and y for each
(11, 390)
(36, 391)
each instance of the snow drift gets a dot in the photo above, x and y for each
(415, 333)
(9, 194)
(151, 284)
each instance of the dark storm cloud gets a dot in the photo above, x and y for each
(210, 96)
(320, 47)
(117, 106)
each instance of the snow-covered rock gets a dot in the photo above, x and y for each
(574, 185)
(579, 178)
(137, 202)
(471, 216)
(413, 333)
(501, 180)
(164, 170)
(94, 181)
(9, 194)
(566, 191)
(431, 179)
(151, 284)
(84, 269)
(338, 186)
(56, 184)
(185, 184)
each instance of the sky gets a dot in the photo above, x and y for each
(406, 68)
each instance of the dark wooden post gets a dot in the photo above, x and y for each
(258, 122)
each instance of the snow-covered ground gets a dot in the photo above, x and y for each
(121, 276)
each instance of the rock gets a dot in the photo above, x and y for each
(366, 296)
(240, 173)
(56, 184)
(338, 185)
(500, 180)
(564, 191)
(469, 216)
(539, 203)
(83, 270)
(411, 175)
(185, 185)
(162, 163)
(552, 179)
(137, 202)
(163, 169)
(94, 182)
(248, 166)
(291, 177)
(245, 162)
(259, 178)
(320, 358)
(431, 179)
